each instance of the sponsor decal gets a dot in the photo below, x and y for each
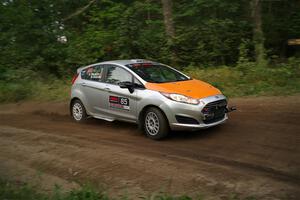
(119, 102)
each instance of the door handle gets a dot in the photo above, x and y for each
(107, 89)
(83, 84)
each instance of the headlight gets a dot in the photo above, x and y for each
(181, 98)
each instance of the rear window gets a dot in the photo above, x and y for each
(94, 73)
(156, 73)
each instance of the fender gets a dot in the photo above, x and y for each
(77, 93)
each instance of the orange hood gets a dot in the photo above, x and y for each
(191, 88)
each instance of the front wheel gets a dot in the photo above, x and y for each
(78, 111)
(155, 124)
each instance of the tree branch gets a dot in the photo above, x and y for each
(79, 11)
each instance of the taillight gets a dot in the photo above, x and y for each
(74, 78)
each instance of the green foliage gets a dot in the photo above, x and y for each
(17, 85)
(28, 38)
(243, 80)
(21, 191)
(14, 92)
(168, 197)
(247, 79)
(12, 191)
(85, 193)
(281, 21)
(208, 32)
(35, 65)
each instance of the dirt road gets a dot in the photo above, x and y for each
(256, 153)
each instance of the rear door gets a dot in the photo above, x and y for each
(93, 88)
(120, 103)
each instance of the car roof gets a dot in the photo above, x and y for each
(127, 62)
(119, 62)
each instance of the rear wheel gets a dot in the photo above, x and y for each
(78, 111)
(155, 124)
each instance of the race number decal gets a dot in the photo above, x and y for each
(119, 102)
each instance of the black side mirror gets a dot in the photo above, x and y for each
(128, 85)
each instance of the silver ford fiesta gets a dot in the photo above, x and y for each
(157, 97)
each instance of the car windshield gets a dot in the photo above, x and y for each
(156, 73)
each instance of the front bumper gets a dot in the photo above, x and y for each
(173, 109)
(178, 126)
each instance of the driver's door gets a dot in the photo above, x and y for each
(120, 103)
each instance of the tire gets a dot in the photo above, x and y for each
(155, 123)
(78, 111)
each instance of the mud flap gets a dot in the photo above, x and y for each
(230, 109)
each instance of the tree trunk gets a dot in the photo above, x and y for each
(169, 27)
(168, 18)
(148, 11)
(258, 35)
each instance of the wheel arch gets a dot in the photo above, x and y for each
(143, 111)
(71, 103)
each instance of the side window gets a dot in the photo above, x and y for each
(94, 73)
(116, 75)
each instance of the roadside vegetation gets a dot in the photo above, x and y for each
(12, 191)
(21, 191)
(245, 79)
(240, 46)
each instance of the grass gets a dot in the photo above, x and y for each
(246, 79)
(51, 90)
(21, 191)
(13, 191)
(235, 82)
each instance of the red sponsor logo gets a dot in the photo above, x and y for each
(113, 99)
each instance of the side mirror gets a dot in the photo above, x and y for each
(128, 85)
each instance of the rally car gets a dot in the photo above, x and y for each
(157, 97)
